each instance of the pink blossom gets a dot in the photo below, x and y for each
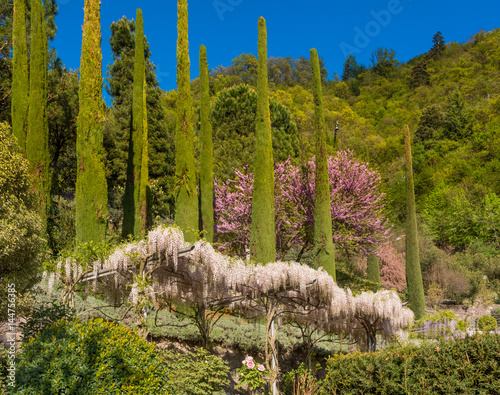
(261, 368)
(250, 364)
(357, 207)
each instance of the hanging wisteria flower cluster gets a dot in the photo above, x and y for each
(207, 278)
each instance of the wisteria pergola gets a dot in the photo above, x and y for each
(165, 269)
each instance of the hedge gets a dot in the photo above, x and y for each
(466, 366)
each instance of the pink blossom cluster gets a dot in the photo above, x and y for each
(357, 206)
(249, 362)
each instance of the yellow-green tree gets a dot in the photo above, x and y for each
(186, 207)
(262, 236)
(91, 188)
(20, 79)
(324, 251)
(206, 152)
(37, 138)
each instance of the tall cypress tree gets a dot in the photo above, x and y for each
(186, 210)
(144, 190)
(20, 80)
(91, 188)
(324, 251)
(373, 268)
(133, 223)
(262, 237)
(206, 152)
(413, 272)
(37, 138)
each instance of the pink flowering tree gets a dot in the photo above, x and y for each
(357, 207)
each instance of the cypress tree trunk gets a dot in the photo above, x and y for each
(91, 187)
(413, 271)
(263, 237)
(324, 251)
(207, 156)
(373, 269)
(37, 138)
(133, 223)
(186, 207)
(20, 79)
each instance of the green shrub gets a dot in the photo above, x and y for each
(299, 381)
(93, 357)
(487, 323)
(44, 316)
(468, 366)
(196, 373)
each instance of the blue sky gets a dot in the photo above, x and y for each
(228, 28)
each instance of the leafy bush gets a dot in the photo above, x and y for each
(196, 373)
(487, 323)
(470, 365)
(44, 316)
(90, 357)
(251, 375)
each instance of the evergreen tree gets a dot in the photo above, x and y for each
(438, 46)
(431, 123)
(20, 79)
(144, 189)
(262, 237)
(161, 134)
(234, 116)
(91, 188)
(37, 144)
(351, 68)
(206, 152)
(413, 272)
(133, 222)
(324, 251)
(373, 268)
(419, 75)
(458, 119)
(186, 210)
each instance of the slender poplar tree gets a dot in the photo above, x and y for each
(206, 152)
(373, 268)
(413, 272)
(133, 221)
(91, 188)
(186, 208)
(37, 138)
(324, 251)
(20, 79)
(262, 236)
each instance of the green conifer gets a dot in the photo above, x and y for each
(144, 192)
(413, 272)
(91, 188)
(186, 210)
(20, 80)
(373, 268)
(37, 138)
(206, 152)
(133, 221)
(324, 251)
(262, 237)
